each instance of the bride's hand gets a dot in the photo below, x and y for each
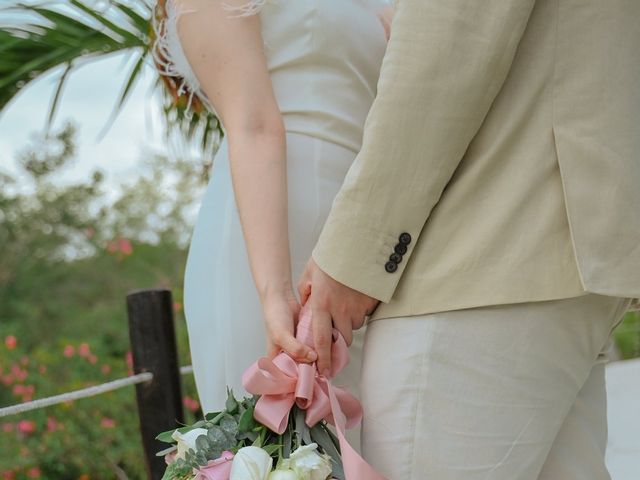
(280, 312)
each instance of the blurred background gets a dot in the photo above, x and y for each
(101, 172)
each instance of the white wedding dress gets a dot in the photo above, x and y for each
(324, 58)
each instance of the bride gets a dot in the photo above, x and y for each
(291, 82)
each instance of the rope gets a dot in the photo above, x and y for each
(84, 392)
(76, 394)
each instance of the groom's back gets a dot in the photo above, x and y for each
(596, 121)
(546, 200)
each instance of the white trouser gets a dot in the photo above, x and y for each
(506, 392)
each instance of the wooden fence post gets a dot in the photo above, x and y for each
(153, 346)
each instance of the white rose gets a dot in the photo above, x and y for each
(309, 464)
(283, 474)
(187, 440)
(251, 463)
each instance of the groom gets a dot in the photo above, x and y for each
(498, 181)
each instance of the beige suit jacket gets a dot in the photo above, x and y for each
(505, 140)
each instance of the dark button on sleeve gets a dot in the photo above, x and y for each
(405, 238)
(400, 248)
(395, 257)
(390, 266)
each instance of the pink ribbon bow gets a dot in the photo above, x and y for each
(281, 382)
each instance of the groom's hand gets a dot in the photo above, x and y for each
(332, 304)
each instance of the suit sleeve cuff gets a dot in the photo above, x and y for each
(367, 260)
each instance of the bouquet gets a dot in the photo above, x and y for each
(281, 432)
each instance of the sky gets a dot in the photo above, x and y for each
(88, 100)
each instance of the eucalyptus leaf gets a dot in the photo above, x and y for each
(320, 436)
(286, 443)
(201, 458)
(301, 427)
(177, 469)
(219, 439)
(202, 442)
(229, 424)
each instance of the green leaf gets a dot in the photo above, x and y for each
(271, 449)
(177, 469)
(231, 404)
(320, 436)
(220, 439)
(301, 427)
(247, 422)
(166, 436)
(202, 442)
(214, 417)
(229, 424)
(286, 443)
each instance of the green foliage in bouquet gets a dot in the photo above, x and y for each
(235, 427)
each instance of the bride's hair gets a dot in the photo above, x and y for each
(172, 66)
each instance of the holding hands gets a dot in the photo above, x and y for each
(333, 304)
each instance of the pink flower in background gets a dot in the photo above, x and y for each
(52, 424)
(107, 422)
(106, 368)
(10, 341)
(92, 359)
(19, 373)
(42, 369)
(84, 350)
(124, 245)
(7, 427)
(24, 360)
(33, 472)
(112, 247)
(26, 426)
(120, 245)
(8, 475)
(177, 306)
(7, 379)
(68, 351)
(191, 403)
(27, 393)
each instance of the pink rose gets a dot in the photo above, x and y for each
(218, 469)
(169, 458)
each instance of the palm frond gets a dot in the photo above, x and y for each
(69, 33)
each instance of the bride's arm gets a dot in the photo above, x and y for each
(226, 54)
